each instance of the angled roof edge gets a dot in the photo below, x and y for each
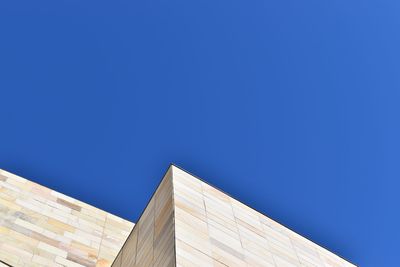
(18, 177)
(204, 181)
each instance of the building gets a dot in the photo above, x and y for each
(41, 227)
(186, 223)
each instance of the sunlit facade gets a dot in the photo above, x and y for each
(186, 223)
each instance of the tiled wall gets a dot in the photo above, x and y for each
(151, 242)
(189, 223)
(40, 227)
(186, 223)
(213, 229)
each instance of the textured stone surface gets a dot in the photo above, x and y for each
(151, 242)
(209, 228)
(186, 223)
(213, 229)
(41, 227)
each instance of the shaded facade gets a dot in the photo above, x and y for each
(186, 223)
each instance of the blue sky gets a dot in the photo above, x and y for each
(290, 106)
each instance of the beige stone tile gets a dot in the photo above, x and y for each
(187, 220)
(189, 256)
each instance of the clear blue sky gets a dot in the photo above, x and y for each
(290, 106)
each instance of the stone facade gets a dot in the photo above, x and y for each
(151, 242)
(211, 228)
(41, 227)
(186, 223)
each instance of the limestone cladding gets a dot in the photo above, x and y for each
(190, 223)
(41, 227)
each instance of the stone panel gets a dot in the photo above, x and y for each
(213, 229)
(186, 223)
(151, 242)
(41, 227)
